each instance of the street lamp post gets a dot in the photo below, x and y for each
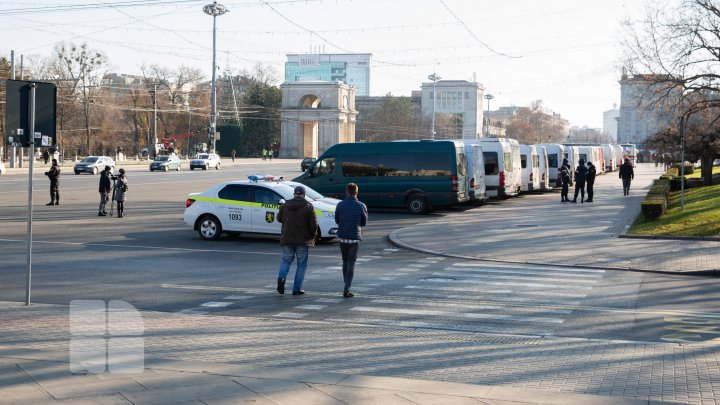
(488, 97)
(214, 10)
(434, 77)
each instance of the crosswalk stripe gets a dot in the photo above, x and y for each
(471, 306)
(476, 270)
(289, 315)
(473, 327)
(471, 315)
(510, 277)
(506, 283)
(310, 306)
(418, 265)
(540, 268)
(515, 292)
(488, 297)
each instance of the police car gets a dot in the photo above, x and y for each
(251, 206)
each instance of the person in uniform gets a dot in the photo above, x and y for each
(580, 173)
(590, 181)
(54, 176)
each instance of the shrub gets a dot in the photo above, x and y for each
(667, 177)
(653, 209)
(676, 183)
(673, 171)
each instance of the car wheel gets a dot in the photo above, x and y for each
(192, 168)
(152, 170)
(94, 170)
(217, 167)
(166, 168)
(209, 227)
(417, 204)
(206, 167)
(177, 169)
(77, 172)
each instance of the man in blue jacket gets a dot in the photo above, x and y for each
(350, 215)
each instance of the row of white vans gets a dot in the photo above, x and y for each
(502, 167)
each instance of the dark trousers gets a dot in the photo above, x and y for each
(590, 185)
(564, 192)
(626, 186)
(579, 188)
(349, 256)
(54, 192)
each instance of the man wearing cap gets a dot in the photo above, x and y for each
(297, 235)
(580, 173)
(627, 174)
(104, 189)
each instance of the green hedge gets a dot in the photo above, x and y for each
(653, 209)
(673, 171)
(689, 169)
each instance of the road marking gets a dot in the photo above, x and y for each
(436, 258)
(524, 292)
(510, 277)
(310, 306)
(545, 268)
(329, 300)
(407, 269)
(216, 304)
(504, 283)
(475, 327)
(238, 297)
(289, 315)
(386, 278)
(468, 306)
(471, 315)
(418, 265)
(518, 271)
(515, 300)
(191, 312)
(391, 250)
(363, 289)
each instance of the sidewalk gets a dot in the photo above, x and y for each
(34, 367)
(539, 229)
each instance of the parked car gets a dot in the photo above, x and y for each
(306, 163)
(165, 163)
(205, 161)
(250, 206)
(93, 164)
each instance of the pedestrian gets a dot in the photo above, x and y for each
(46, 156)
(264, 153)
(590, 181)
(350, 215)
(580, 173)
(232, 154)
(627, 174)
(105, 187)
(54, 176)
(120, 191)
(564, 176)
(297, 235)
(270, 154)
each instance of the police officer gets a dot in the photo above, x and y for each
(590, 181)
(580, 174)
(564, 175)
(54, 176)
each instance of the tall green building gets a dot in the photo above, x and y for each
(350, 68)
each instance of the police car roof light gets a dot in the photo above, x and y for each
(256, 177)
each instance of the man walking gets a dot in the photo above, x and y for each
(105, 187)
(627, 174)
(232, 154)
(297, 235)
(580, 174)
(350, 215)
(54, 176)
(590, 181)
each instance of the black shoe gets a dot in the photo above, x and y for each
(100, 214)
(50, 203)
(301, 292)
(573, 201)
(582, 201)
(588, 200)
(281, 285)
(348, 294)
(104, 212)
(120, 215)
(57, 202)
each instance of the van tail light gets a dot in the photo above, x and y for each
(454, 180)
(189, 202)
(501, 176)
(472, 183)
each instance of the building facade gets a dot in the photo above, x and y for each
(351, 69)
(610, 122)
(641, 115)
(458, 98)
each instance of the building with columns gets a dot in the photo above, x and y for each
(456, 98)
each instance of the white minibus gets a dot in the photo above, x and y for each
(530, 168)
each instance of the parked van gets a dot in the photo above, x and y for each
(618, 155)
(572, 155)
(530, 165)
(611, 163)
(419, 175)
(476, 172)
(502, 166)
(630, 152)
(543, 168)
(555, 155)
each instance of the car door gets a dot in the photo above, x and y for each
(234, 207)
(265, 210)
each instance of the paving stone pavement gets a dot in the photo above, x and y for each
(615, 370)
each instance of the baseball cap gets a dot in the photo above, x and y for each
(299, 190)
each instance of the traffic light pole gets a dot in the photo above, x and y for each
(31, 158)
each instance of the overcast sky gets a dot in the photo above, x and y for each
(564, 52)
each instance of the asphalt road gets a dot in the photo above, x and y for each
(151, 260)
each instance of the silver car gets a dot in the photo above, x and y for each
(93, 164)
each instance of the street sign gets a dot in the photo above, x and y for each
(17, 125)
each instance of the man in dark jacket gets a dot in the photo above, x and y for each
(54, 176)
(590, 181)
(104, 189)
(627, 174)
(299, 227)
(564, 176)
(350, 215)
(580, 174)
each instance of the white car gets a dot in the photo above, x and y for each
(2, 168)
(205, 161)
(250, 206)
(93, 164)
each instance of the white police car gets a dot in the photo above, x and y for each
(250, 206)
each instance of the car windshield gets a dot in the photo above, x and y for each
(308, 191)
(285, 190)
(90, 159)
(205, 156)
(161, 159)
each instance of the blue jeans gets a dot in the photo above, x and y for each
(289, 253)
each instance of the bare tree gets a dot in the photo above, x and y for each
(676, 50)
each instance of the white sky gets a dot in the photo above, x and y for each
(564, 52)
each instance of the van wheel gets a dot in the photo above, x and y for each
(417, 204)
(209, 227)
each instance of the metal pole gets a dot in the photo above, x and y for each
(432, 135)
(682, 163)
(12, 65)
(213, 107)
(155, 137)
(31, 138)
